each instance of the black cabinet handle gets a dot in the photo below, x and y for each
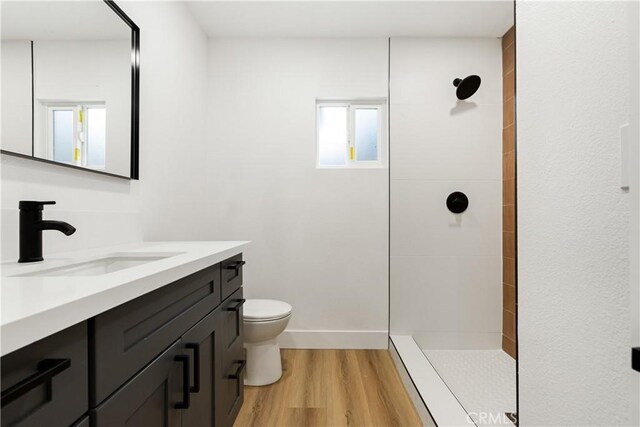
(235, 265)
(238, 372)
(635, 358)
(196, 366)
(47, 369)
(185, 382)
(236, 307)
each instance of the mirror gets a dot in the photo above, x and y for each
(70, 84)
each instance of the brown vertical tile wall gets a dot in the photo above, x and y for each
(508, 197)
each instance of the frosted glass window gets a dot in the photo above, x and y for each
(351, 134)
(63, 136)
(96, 136)
(332, 136)
(366, 134)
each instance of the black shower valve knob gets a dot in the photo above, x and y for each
(457, 202)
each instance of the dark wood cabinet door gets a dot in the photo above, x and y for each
(46, 383)
(199, 344)
(149, 399)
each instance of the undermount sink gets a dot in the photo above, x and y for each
(101, 266)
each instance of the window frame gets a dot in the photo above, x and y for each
(380, 104)
(50, 129)
(76, 107)
(85, 129)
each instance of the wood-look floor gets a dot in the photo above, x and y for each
(331, 388)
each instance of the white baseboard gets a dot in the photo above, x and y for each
(318, 339)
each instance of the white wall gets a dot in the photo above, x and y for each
(94, 70)
(634, 153)
(16, 95)
(174, 174)
(319, 236)
(446, 269)
(161, 205)
(573, 289)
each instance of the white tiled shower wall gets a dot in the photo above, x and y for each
(446, 269)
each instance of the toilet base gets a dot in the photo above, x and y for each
(264, 364)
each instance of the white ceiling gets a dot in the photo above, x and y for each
(353, 18)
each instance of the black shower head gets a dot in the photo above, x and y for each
(467, 86)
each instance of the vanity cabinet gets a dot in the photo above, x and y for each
(173, 357)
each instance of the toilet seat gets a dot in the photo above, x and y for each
(262, 310)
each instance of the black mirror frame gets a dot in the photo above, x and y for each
(134, 171)
(135, 89)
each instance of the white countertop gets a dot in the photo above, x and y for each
(34, 307)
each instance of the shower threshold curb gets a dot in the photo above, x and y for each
(433, 396)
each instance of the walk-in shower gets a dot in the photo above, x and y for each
(452, 221)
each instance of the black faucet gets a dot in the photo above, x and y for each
(31, 227)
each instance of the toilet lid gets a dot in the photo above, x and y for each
(265, 309)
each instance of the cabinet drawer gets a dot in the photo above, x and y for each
(127, 337)
(231, 382)
(231, 275)
(148, 399)
(230, 319)
(46, 383)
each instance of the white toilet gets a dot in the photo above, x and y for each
(264, 320)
